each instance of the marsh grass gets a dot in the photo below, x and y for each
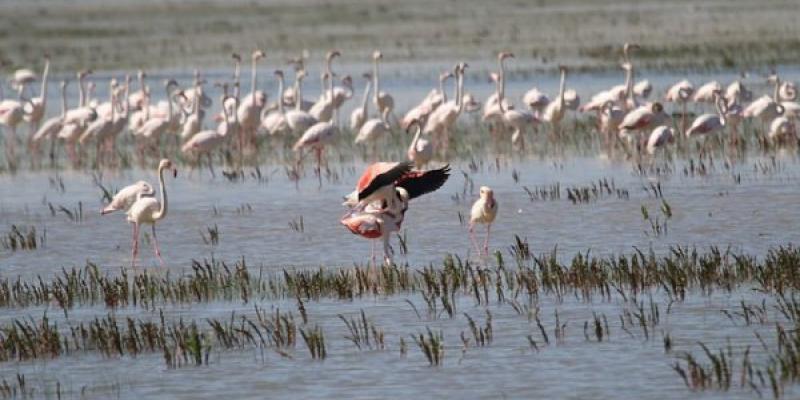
(23, 238)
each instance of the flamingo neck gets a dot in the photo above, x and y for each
(416, 138)
(112, 100)
(43, 89)
(162, 211)
(63, 101)
(81, 93)
(562, 88)
(376, 80)
(253, 74)
(280, 94)
(364, 100)
(441, 90)
(298, 97)
(460, 92)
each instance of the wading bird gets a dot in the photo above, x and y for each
(149, 210)
(483, 211)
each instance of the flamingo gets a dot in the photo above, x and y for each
(297, 119)
(193, 123)
(155, 126)
(705, 93)
(379, 221)
(555, 111)
(659, 138)
(149, 210)
(518, 120)
(644, 118)
(643, 89)
(101, 128)
(11, 114)
(680, 92)
(442, 120)
(379, 203)
(125, 197)
(50, 128)
(275, 122)
(781, 128)
(249, 111)
(323, 109)
(359, 115)
(434, 99)
(766, 108)
(77, 119)
(708, 124)
(38, 104)
(317, 137)
(382, 100)
(611, 117)
(420, 151)
(484, 211)
(207, 141)
(374, 129)
(492, 113)
(21, 79)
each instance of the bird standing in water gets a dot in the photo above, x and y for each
(484, 211)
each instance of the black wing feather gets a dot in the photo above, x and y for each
(426, 182)
(386, 178)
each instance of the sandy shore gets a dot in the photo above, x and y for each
(116, 34)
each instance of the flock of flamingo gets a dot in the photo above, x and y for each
(380, 200)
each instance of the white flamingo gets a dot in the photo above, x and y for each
(149, 210)
(359, 115)
(443, 119)
(50, 128)
(555, 111)
(382, 99)
(317, 137)
(420, 151)
(298, 119)
(38, 105)
(275, 122)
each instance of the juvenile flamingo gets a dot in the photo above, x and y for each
(484, 211)
(149, 210)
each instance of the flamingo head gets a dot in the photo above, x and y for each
(377, 55)
(657, 108)
(444, 76)
(504, 54)
(258, 54)
(236, 57)
(167, 164)
(411, 124)
(333, 54)
(347, 81)
(494, 77)
(367, 76)
(278, 73)
(487, 193)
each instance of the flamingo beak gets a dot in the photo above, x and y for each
(174, 172)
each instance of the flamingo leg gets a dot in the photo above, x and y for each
(211, 165)
(486, 242)
(473, 239)
(135, 244)
(155, 246)
(318, 152)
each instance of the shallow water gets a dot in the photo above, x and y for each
(752, 213)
